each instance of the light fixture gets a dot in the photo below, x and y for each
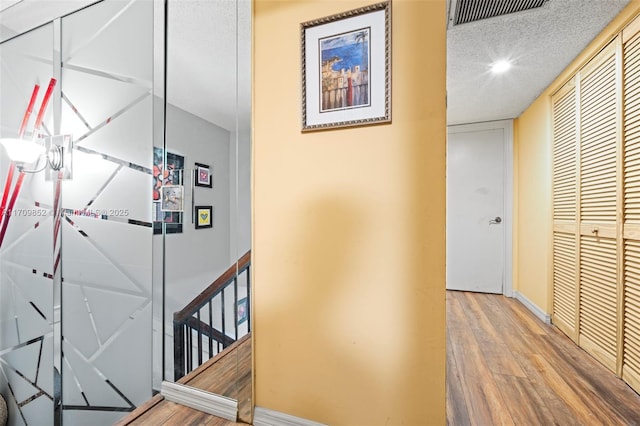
(500, 66)
(22, 150)
(56, 150)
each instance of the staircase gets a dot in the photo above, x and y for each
(212, 351)
(227, 374)
(214, 320)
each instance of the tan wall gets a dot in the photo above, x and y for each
(349, 232)
(533, 181)
(533, 186)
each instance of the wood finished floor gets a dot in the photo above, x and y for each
(228, 374)
(506, 367)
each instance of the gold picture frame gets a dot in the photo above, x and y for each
(346, 69)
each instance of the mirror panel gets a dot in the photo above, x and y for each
(208, 89)
(26, 264)
(111, 247)
(106, 104)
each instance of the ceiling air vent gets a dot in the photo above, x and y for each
(475, 10)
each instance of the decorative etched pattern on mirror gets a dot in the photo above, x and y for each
(107, 66)
(77, 258)
(26, 261)
(94, 286)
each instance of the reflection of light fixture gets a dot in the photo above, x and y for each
(501, 66)
(24, 151)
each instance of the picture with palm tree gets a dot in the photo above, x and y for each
(344, 72)
(346, 68)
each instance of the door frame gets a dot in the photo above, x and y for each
(507, 127)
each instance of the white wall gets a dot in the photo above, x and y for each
(240, 192)
(196, 257)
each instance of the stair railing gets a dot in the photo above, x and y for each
(215, 319)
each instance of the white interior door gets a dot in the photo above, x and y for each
(475, 211)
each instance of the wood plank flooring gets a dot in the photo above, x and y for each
(504, 366)
(229, 374)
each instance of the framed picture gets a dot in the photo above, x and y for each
(346, 68)
(204, 217)
(166, 171)
(203, 175)
(242, 310)
(172, 198)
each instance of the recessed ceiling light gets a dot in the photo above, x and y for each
(500, 66)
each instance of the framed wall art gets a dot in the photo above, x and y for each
(346, 68)
(166, 171)
(204, 217)
(203, 176)
(172, 198)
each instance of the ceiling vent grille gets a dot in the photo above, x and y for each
(475, 10)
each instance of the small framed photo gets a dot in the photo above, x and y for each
(204, 217)
(172, 198)
(166, 171)
(203, 175)
(346, 68)
(242, 310)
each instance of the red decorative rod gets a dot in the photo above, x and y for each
(12, 166)
(16, 189)
(27, 113)
(43, 107)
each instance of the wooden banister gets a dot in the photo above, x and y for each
(215, 287)
(194, 339)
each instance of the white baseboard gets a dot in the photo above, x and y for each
(266, 417)
(207, 402)
(535, 309)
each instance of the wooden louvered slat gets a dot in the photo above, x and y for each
(594, 139)
(598, 298)
(564, 156)
(593, 76)
(565, 127)
(632, 103)
(564, 282)
(631, 128)
(596, 109)
(631, 326)
(598, 139)
(600, 175)
(631, 212)
(588, 154)
(566, 211)
(566, 176)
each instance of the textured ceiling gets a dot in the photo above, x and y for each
(475, 10)
(209, 59)
(541, 43)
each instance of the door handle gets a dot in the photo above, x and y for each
(495, 221)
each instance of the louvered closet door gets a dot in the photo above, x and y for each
(598, 206)
(565, 166)
(631, 291)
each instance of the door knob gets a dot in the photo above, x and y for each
(497, 220)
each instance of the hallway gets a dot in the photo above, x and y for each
(505, 366)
